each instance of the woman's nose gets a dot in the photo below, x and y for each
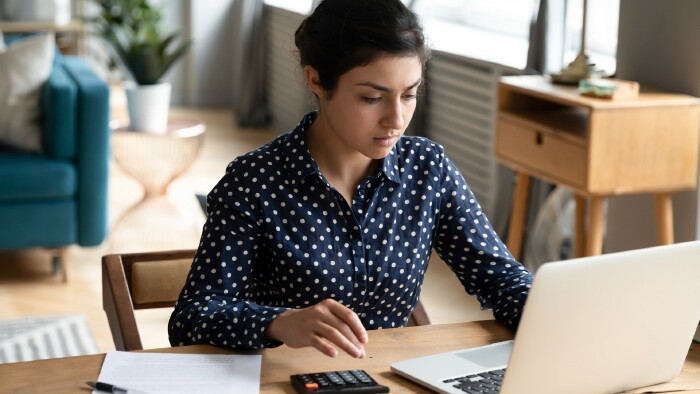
(393, 118)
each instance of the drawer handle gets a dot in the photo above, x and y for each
(539, 139)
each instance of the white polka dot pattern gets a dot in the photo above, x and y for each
(279, 236)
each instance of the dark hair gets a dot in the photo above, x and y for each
(343, 34)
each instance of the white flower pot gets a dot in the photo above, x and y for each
(148, 106)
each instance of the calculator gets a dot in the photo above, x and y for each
(346, 382)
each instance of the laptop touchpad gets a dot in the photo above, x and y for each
(489, 357)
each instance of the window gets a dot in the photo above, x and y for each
(508, 17)
(495, 31)
(300, 6)
(498, 30)
(601, 31)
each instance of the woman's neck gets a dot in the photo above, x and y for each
(343, 168)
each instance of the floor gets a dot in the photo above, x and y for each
(27, 287)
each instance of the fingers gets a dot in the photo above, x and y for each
(352, 321)
(323, 346)
(324, 326)
(342, 337)
(344, 329)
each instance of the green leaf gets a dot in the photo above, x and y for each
(132, 28)
(170, 59)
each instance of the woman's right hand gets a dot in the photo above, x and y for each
(324, 326)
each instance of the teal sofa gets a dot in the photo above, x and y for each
(59, 198)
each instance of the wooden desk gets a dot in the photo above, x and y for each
(597, 148)
(68, 375)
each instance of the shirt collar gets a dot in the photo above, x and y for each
(298, 160)
(390, 164)
(300, 164)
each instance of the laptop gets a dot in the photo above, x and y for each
(599, 324)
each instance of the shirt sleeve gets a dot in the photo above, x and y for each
(215, 304)
(471, 248)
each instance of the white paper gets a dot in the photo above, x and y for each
(182, 373)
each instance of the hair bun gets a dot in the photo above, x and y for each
(343, 34)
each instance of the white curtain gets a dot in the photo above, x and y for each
(547, 33)
(249, 97)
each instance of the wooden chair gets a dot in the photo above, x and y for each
(140, 281)
(147, 280)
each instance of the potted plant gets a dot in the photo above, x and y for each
(133, 30)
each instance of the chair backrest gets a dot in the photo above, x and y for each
(147, 280)
(140, 281)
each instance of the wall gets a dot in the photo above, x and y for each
(657, 46)
(288, 98)
(204, 77)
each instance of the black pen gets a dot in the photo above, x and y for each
(110, 388)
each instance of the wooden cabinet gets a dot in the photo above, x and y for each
(596, 147)
(70, 36)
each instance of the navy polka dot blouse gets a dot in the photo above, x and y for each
(279, 236)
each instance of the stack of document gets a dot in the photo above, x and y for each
(182, 373)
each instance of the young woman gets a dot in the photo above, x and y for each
(326, 231)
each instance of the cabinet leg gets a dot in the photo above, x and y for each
(517, 218)
(596, 226)
(580, 226)
(664, 218)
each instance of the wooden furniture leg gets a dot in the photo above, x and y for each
(596, 226)
(664, 218)
(419, 317)
(580, 226)
(59, 262)
(517, 218)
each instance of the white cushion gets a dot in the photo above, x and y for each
(2, 43)
(24, 68)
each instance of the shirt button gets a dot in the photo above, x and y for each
(359, 277)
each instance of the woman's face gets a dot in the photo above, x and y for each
(371, 106)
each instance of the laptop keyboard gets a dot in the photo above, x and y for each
(480, 383)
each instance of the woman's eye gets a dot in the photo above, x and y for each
(372, 100)
(409, 96)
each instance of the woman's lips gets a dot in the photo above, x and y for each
(386, 141)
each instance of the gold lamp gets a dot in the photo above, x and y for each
(581, 67)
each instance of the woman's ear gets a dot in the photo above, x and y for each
(313, 81)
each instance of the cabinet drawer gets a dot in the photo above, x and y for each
(541, 152)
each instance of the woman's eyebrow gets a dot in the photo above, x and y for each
(385, 89)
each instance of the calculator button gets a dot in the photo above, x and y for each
(361, 376)
(347, 376)
(335, 378)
